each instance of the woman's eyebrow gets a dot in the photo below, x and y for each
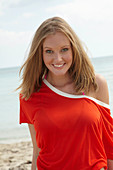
(61, 46)
(66, 46)
(47, 47)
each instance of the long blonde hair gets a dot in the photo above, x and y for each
(34, 68)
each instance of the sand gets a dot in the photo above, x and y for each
(16, 156)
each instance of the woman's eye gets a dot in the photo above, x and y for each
(49, 51)
(65, 49)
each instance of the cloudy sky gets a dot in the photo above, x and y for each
(19, 19)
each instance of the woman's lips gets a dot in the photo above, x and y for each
(58, 65)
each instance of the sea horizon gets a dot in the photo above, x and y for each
(93, 57)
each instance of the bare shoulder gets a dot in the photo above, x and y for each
(102, 93)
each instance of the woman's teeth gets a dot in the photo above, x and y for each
(58, 65)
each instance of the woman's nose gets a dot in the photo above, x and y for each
(58, 57)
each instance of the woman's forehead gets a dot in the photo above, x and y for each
(58, 38)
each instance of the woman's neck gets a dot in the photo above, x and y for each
(59, 81)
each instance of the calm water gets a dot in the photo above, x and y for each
(10, 130)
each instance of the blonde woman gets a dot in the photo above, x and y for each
(65, 104)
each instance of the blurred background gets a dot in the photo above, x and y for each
(92, 21)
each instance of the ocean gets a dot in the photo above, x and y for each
(10, 129)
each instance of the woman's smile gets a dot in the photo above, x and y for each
(60, 66)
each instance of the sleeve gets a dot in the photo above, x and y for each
(24, 118)
(107, 132)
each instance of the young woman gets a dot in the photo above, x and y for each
(65, 104)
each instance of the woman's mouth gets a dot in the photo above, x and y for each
(58, 65)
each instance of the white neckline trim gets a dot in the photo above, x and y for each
(64, 94)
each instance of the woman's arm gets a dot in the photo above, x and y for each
(35, 147)
(103, 95)
(110, 164)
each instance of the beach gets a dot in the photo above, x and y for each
(16, 156)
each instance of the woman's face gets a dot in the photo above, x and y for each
(57, 54)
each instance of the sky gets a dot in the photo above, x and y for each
(92, 21)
